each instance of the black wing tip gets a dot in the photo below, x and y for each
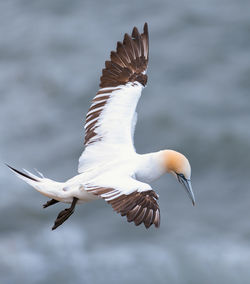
(139, 208)
(21, 173)
(136, 32)
(131, 57)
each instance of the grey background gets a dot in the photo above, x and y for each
(196, 102)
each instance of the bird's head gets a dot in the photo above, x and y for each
(178, 165)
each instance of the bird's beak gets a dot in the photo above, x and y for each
(188, 187)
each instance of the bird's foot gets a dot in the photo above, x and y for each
(50, 202)
(65, 214)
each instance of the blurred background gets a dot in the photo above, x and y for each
(197, 102)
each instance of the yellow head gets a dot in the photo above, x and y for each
(178, 165)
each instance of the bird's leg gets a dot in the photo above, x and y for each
(65, 214)
(49, 203)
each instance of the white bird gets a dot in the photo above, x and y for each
(109, 167)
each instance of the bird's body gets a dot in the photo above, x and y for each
(143, 168)
(109, 167)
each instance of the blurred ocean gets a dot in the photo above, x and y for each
(197, 102)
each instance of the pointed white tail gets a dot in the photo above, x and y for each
(45, 186)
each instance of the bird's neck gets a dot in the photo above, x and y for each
(151, 167)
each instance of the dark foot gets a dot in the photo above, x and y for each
(65, 214)
(49, 203)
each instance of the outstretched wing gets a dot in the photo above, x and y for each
(135, 200)
(111, 119)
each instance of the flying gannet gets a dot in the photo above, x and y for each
(109, 167)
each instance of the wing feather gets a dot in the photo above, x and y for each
(139, 205)
(110, 121)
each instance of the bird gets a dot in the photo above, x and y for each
(109, 167)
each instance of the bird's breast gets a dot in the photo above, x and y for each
(149, 167)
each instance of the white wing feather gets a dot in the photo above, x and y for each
(111, 119)
(120, 185)
(114, 128)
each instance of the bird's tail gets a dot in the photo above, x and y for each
(27, 176)
(45, 186)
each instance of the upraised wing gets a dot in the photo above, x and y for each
(111, 119)
(131, 198)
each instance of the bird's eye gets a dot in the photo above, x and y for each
(181, 176)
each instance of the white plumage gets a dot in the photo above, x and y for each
(115, 125)
(109, 167)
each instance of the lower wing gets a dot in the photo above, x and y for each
(129, 197)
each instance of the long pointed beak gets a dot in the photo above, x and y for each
(188, 187)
